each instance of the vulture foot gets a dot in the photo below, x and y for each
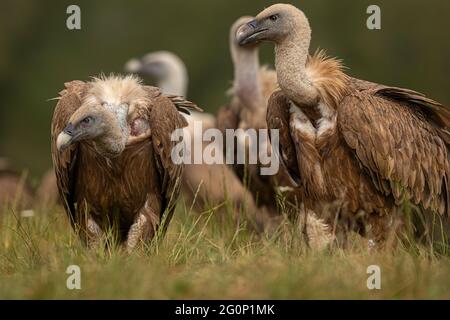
(142, 230)
(94, 234)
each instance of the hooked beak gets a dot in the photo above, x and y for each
(133, 66)
(67, 137)
(250, 33)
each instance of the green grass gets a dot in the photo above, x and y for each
(206, 256)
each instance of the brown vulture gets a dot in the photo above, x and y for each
(205, 185)
(111, 150)
(360, 148)
(252, 87)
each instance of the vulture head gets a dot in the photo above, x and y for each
(235, 48)
(165, 67)
(273, 24)
(106, 116)
(246, 84)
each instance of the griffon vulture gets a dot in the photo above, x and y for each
(111, 150)
(252, 87)
(206, 185)
(365, 146)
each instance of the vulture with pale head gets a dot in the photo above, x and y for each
(111, 150)
(204, 185)
(252, 86)
(362, 146)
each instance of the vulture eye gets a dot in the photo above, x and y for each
(274, 17)
(86, 121)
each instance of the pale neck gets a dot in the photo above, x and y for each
(291, 55)
(175, 82)
(115, 137)
(247, 86)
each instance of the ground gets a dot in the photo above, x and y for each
(207, 256)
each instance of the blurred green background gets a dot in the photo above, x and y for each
(38, 53)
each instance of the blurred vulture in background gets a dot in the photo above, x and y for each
(165, 67)
(252, 87)
(363, 147)
(111, 150)
(15, 192)
(209, 186)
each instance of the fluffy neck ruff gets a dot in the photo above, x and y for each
(328, 77)
(117, 90)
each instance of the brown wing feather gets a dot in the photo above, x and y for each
(64, 162)
(435, 111)
(278, 118)
(397, 144)
(164, 119)
(183, 105)
(440, 113)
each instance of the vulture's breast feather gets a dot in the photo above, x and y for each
(122, 183)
